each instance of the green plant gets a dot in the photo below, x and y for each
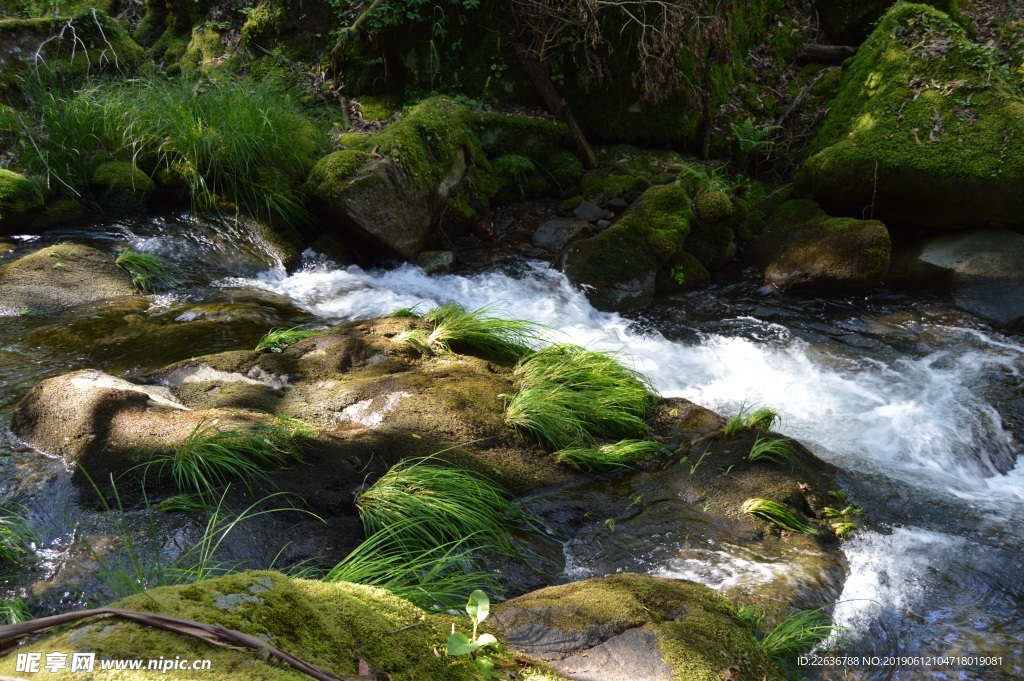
(432, 578)
(678, 275)
(14, 612)
(694, 467)
(478, 607)
(406, 313)
(569, 395)
(150, 273)
(768, 449)
(211, 455)
(797, 633)
(750, 138)
(780, 515)
(475, 331)
(424, 505)
(619, 454)
(16, 536)
(843, 528)
(186, 503)
(762, 418)
(752, 616)
(276, 340)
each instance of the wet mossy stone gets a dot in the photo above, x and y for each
(803, 249)
(713, 205)
(848, 22)
(926, 130)
(61, 276)
(390, 189)
(331, 626)
(633, 626)
(20, 201)
(618, 267)
(121, 188)
(59, 212)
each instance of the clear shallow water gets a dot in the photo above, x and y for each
(917, 403)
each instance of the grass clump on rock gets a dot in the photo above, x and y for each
(277, 340)
(150, 273)
(768, 449)
(14, 612)
(455, 327)
(569, 395)
(213, 455)
(778, 514)
(616, 455)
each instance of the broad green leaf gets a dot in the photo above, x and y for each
(486, 640)
(459, 644)
(479, 606)
(486, 666)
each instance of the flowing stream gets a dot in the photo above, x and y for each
(918, 404)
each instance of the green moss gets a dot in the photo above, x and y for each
(328, 625)
(696, 629)
(332, 173)
(611, 185)
(848, 22)
(58, 213)
(19, 199)
(122, 188)
(375, 108)
(682, 272)
(565, 169)
(925, 129)
(535, 138)
(202, 52)
(713, 206)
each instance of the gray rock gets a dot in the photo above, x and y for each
(436, 262)
(591, 213)
(616, 203)
(60, 276)
(603, 224)
(554, 234)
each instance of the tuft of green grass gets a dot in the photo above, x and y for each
(455, 327)
(432, 578)
(620, 454)
(150, 273)
(423, 505)
(779, 514)
(568, 395)
(16, 537)
(797, 633)
(406, 313)
(14, 612)
(186, 503)
(212, 456)
(768, 449)
(762, 418)
(276, 340)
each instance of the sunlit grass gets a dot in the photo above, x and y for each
(797, 633)
(14, 612)
(778, 514)
(277, 340)
(150, 273)
(568, 395)
(17, 536)
(777, 450)
(620, 454)
(457, 329)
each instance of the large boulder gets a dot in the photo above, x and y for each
(60, 276)
(20, 200)
(331, 626)
(803, 249)
(389, 190)
(633, 627)
(926, 130)
(121, 188)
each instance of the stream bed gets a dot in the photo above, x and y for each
(919, 404)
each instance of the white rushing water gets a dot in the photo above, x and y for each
(920, 427)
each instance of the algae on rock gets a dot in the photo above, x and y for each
(20, 200)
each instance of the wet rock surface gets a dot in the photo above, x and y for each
(60, 276)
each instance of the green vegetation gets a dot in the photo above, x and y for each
(150, 273)
(14, 612)
(423, 506)
(473, 332)
(19, 196)
(842, 518)
(240, 141)
(778, 514)
(276, 340)
(619, 454)
(433, 578)
(16, 537)
(478, 607)
(797, 633)
(750, 138)
(763, 418)
(768, 449)
(568, 395)
(213, 455)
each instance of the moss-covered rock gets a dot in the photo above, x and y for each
(59, 212)
(389, 190)
(61, 276)
(802, 248)
(926, 129)
(20, 201)
(122, 188)
(618, 266)
(331, 626)
(633, 626)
